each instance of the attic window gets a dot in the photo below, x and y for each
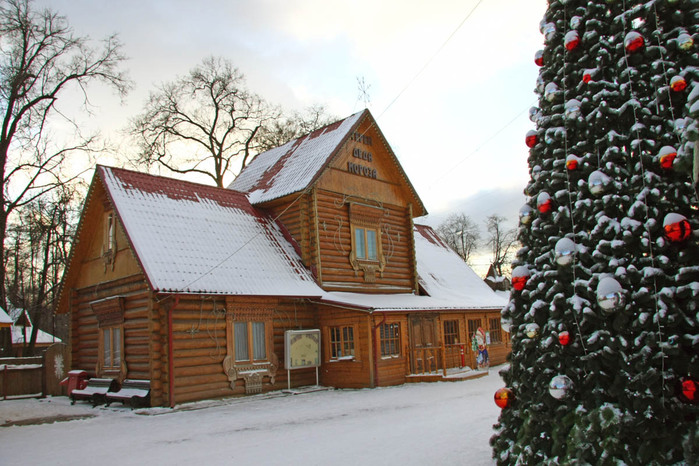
(109, 240)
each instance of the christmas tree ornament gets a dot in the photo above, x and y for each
(677, 227)
(544, 204)
(539, 58)
(685, 42)
(560, 387)
(587, 76)
(526, 215)
(564, 338)
(598, 182)
(678, 84)
(633, 42)
(610, 295)
(565, 251)
(504, 397)
(520, 276)
(531, 330)
(573, 162)
(531, 138)
(572, 109)
(667, 155)
(551, 92)
(571, 40)
(688, 390)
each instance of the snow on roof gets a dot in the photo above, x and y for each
(18, 333)
(447, 279)
(194, 238)
(5, 319)
(292, 167)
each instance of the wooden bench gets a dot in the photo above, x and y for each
(135, 393)
(96, 390)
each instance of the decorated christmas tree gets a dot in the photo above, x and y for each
(604, 314)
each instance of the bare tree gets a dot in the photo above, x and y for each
(284, 129)
(461, 234)
(500, 239)
(38, 247)
(205, 122)
(40, 59)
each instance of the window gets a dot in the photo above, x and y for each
(250, 339)
(112, 345)
(109, 232)
(495, 330)
(365, 244)
(390, 339)
(341, 342)
(451, 332)
(473, 325)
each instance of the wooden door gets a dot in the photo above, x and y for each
(424, 344)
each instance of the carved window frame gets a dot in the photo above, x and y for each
(253, 372)
(110, 320)
(366, 218)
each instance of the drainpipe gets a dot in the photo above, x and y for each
(377, 354)
(170, 353)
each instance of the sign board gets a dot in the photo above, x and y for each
(301, 349)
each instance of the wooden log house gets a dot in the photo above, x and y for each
(193, 287)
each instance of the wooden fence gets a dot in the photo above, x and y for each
(35, 376)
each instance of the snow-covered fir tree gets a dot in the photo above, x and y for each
(605, 323)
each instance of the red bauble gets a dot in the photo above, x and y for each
(633, 42)
(531, 139)
(504, 397)
(544, 203)
(587, 76)
(571, 40)
(520, 276)
(564, 338)
(667, 156)
(572, 162)
(687, 391)
(678, 84)
(539, 58)
(677, 227)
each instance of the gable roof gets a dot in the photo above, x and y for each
(298, 164)
(193, 238)
(448, 281)
(5, 320)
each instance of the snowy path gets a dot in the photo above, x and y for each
(417, 424)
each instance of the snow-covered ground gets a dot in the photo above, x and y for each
(445, 423)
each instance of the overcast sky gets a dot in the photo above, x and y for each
(457, 127)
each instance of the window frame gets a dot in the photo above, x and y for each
(495, 330)
(252, 350)
(363, 249)
(451, 335)
(116, 346)
(341, 338)
(390, 340)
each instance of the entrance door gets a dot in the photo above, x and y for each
(424, 344)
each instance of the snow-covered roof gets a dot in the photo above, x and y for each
(447, 279)
(5, 319)
(295, 165)
(42, 337)
(193, 238)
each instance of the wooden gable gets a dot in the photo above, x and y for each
(100, 251)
